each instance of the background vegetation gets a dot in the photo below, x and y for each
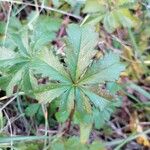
(74, 74)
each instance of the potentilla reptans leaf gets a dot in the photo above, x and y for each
(14, 81)
(67, 81)
(9, 58)
(98, 101)
(80, 48)
(44, 31)
(29, 82)
(85, 130)
(46, 93)
(6, 53)
(49, 65)
(118, 16)
(18, 40)
(107, 68)
(70, 101)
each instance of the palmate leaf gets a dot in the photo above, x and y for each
(47, 93)
(49, 65)
(101, 117)
(74, 94)
(94, 6)
(99, 102)
(83, 104)
(111, 21)
(107, 68)
(27, 56)
(15, 71)
(18, 41)
(14, 81)
(15, 36)
(29, 82)
(6, 53)
(79, 48)
(85, 130)
(13, 68)
(125, 18)
(68, 81)
(18, 74)
(118, 16)
(100, 109)
(44, 31)
(8, 58)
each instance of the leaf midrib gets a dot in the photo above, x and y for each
(76, 66)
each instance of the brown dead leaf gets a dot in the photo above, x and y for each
(98, 55)
(136, 127)
(135, 67)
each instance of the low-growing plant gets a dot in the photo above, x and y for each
(113, 14)
(74, 80)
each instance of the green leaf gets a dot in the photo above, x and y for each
(119, 17)
(9, 58)
(27, 146)
(32, 109)
(47, 24)
(44, 31)
(4, 80)
(93, 6)
(70, 100)
(96, 145)
(80, 48)
(43, 39)
(113, 15)
(58, 145)
(14, 25)
(15, 69)
(82, 102)
(100, 117)
(14, 81)
(11, 62)
(62, 116)
(67, 100)
(85, 130)
(106, 69)
(111, 21)
(98, 101)
(17, 39)
(49, 65)
(113, 87)
(126, 19)
(93, 19)
(47, 93)
(74, 143)
(64, 100)
(6, 54)
(29, 82)
(68, 81)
